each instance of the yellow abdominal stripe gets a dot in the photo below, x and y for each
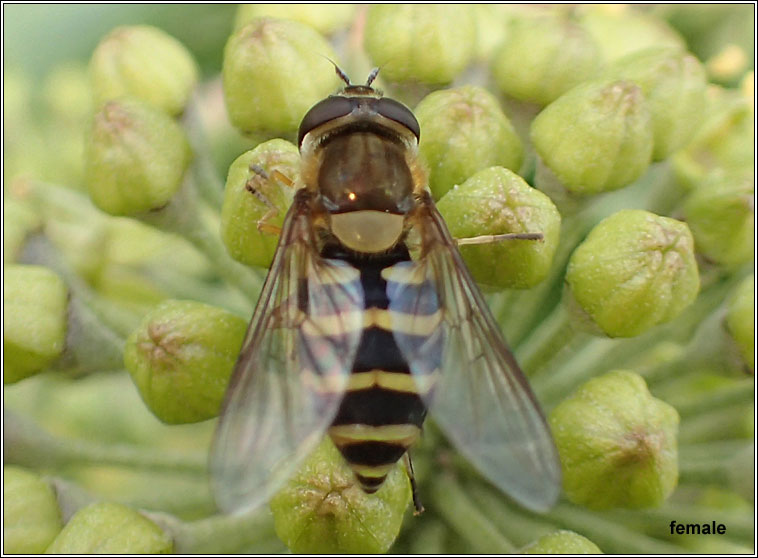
(402, 434)
(389, 320)
(396, 381)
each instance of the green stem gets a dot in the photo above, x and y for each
(719, 425)
(553, 338)
(452, 503)
(39, 250)
(611, 536)
(429, 539)
(203, 172)
(28, 445)
(657, 521)
(184, 216)
(217, 534)
(520, 527)
(739, 393)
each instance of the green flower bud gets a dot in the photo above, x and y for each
(542, 58)
(68, 94)
(136, 158)
(181, 357)
(244, 209)
(273, 72)
(19, 219)
(34, 333)
(143, 62)
(620, 30)
(498, 201)
(108, 528)
(464, 131)
(562, 542)
(597, 137)
(430, 43)
(31, 517)
(740, 320)
(491, 23)
(674, 85)
(324, 18)
(617, 443)
(323, 510)
(634, 270)
(721, 214)
(724, 140)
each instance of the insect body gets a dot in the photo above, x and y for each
(367, 319)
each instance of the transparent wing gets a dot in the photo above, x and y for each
(474, 388)
(292, 370)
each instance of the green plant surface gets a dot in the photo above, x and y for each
(138, 225)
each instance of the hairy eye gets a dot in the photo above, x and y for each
(324, 111)
(389, 108)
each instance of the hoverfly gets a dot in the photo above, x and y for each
(367, 319)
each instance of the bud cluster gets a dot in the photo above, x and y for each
(597, 186)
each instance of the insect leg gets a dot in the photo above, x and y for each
(253, 186)
(419, 507)
(492, 238)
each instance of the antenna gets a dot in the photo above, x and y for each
(342, 75)
(372, 76)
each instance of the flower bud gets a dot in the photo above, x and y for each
(597, 137)
(143, 62)
(181, 357)
(562, 542)
(19, 219)
(491, 27)
(463, 131)
(244, 209)
(136, 158)
(498, 201)
(621, 30)
(721, 214)
(542, 58)
(740, 320)
(109, 528)
(724, 140)
(674, 85)
(617, 443)
(634, 270)
(323, 510)
(324, 18)
(31, 516)
(430, 43)
(274, 71)
(35, 300)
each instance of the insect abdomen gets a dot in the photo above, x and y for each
(381, 414)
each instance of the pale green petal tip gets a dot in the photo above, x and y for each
(35, 302)
(498, 201)
(31, 516)
(323, 510)
(562, 542)
(633, 271)
(109, 528)
(181, 358)
(617, 443)
(324, 18)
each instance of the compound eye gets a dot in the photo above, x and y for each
(322, 112)
(389, 108)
